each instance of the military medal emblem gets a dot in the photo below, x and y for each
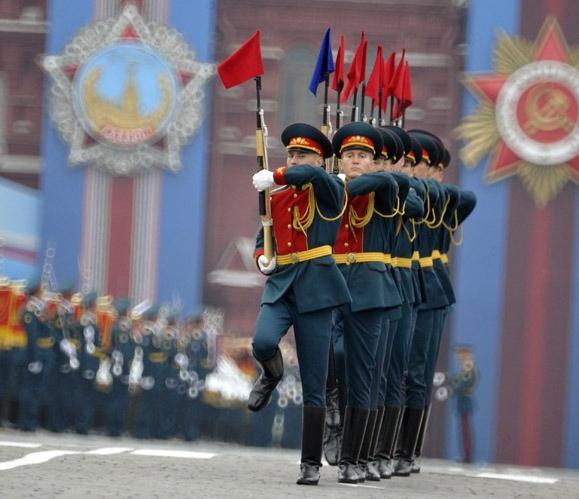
(127, 95)
(528, 115)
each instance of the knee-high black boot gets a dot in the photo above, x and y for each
(366, 445)
(353, 435)
(420, 441)
(332, 430)
(372, 472)
(407, 441)
(272, 372)
(312, 435)
(387, 440)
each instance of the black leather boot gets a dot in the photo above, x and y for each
(272, 372)
(332, 431)
(407, 441)
(353, 435)
(420, 442)
(372, 473)
(387, 440)
(366, 445)
(312, 435)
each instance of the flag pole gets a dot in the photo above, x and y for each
(339, 114)
(362, 102)
(326, 123)
(354, 116)
(262, 164)
(380, 120)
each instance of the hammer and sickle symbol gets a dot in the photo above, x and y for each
(547, 109)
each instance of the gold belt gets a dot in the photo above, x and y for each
(426, 261)
(45, 342)
(388, 260)
(399, 261)
(416, 256)
(349, 258)
(158, 357)
(302, 256)
(437, 255)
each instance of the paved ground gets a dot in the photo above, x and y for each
(71, 466)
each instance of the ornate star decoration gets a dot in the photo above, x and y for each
(170, 46)
(528, 114)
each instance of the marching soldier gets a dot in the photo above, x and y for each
(193, 367)
(359, 252)
(392, 374)
(434, 299)
(304, 284)
(149, 380)
(390, 155)
(61, 413)
(169, 397)
(121, 352)
(90, 354)
(38, 358)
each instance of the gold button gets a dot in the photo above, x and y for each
(289, 244)
(346, 225)
(350, 258)
(295, 195)
(289, 226)
(346, 245)
(289, 209)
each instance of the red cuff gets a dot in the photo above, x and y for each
(279, 175)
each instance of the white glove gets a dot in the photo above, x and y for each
(266, 267)
(263, 180)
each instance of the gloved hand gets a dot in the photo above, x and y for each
(263, 180)
(266, 267)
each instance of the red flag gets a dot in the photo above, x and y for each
(243, 64)
(397, 77)
(403, 93)
(375, 81)
(339, 66)
(387, 75)
(357, 71)
(407, 94)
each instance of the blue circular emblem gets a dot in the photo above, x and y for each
(126, 95)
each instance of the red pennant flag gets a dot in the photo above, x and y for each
(407, 94)
(245, 63)
(375, 81)
(357, 71)
(403, 93)
(387, 76)
(394, 82)
(339, 66)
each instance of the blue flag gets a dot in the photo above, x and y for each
(324, 64)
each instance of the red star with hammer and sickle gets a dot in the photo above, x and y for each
(550, 46)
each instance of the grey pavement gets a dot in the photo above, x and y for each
(70, 466)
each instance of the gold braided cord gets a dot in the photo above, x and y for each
(454, 241)
(361, 221)
(413, 236)
(394, 213)
(399, 224)
(403, 212)
(340, 215)
(455, 216)
(304, 222)
(427, 211)
(436, 225)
